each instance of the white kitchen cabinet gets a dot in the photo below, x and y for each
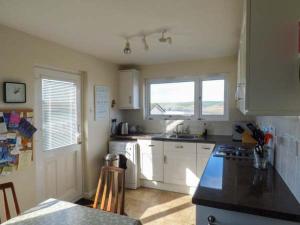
(268, 80)
(180, 163)
(204, 151)
(151, 160)
(226, 217)
(129, 89)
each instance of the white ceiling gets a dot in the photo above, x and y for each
(199, 28)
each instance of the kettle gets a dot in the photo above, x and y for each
(123, 128)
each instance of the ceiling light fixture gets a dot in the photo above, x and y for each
(144, 35)
(164, 39)
(146, 46)
(127, 49)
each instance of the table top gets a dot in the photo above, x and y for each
(59, 212)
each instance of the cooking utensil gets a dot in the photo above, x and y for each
(239, 129)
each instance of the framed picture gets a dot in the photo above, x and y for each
(14, 92)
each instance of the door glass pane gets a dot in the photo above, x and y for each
(213, 97)
(59, 113)
(172, 98)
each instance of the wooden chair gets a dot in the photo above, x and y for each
(111, 190)
(3, 187)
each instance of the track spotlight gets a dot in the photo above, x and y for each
(146, 46)
(164, 39)
(127, 49)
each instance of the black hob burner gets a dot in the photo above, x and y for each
(235, 152)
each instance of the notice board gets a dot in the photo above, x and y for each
(16, 139)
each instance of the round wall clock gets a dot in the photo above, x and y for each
(14, 92)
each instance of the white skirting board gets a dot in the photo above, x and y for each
(168, 187)
(89, 194)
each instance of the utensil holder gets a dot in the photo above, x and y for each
(261, 160)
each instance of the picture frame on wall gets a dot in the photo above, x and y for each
(14, 92)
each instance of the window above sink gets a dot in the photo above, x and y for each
(189, 98)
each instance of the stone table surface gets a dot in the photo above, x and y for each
(59, 212)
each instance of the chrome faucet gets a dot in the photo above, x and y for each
(177, 130)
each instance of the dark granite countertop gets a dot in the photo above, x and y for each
(217, 139)
(236, 185)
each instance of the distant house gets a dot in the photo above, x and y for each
(157, 109)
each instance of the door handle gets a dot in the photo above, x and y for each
(299, 71)
(130, 99)
(165, 159)
(211, 220)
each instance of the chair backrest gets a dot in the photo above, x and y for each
(111, 190)
(3, 187)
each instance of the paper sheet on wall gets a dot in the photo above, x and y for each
(101, 102)
(24, 159)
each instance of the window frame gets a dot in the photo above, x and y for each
(225, 116)
(71, 77)
(170, 80)
(197, 101)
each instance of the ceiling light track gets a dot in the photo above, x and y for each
(163, 39)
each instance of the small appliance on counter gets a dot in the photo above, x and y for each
(113, 131)
(123, 128)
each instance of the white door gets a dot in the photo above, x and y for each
(151, 160)
(180, 163)
(204, 151)
(126, 86)
(58, 155)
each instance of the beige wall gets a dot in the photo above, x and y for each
(19, 52)
(221, 65)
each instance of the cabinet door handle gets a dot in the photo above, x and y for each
(151, 145)
(237, 92)
(206, 148)
(299, 71)
(130, 99)
(211, 220)
(165, 159)
(179, 146)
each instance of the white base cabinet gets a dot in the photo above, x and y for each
(226, 217)
(204, 151)
(173, 166)
(180, 163)
(151, 160)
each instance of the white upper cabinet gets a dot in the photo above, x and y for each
(129, 89)
(268, 62)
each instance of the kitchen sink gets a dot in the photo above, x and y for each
(183, 136)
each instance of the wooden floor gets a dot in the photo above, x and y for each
(154, 207)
